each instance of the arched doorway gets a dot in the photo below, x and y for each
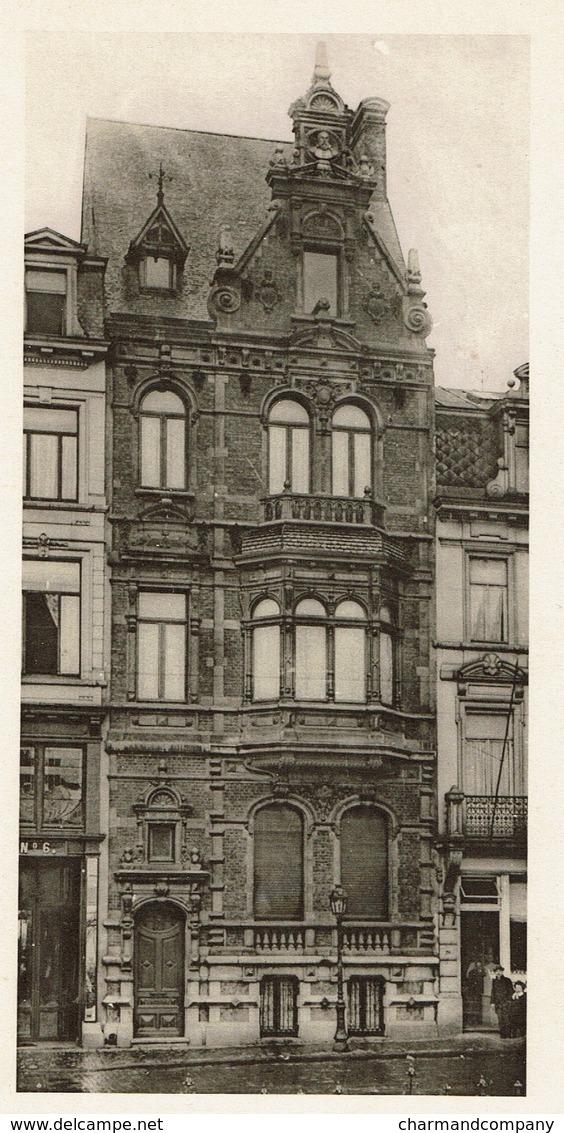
(159, 970)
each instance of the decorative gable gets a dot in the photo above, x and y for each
(159, 249)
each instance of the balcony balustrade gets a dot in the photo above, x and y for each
(483, 817)
(383, 938)
(324, 509)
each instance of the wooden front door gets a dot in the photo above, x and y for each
(159, 971)
(49, 950)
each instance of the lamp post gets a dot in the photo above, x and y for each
(338, 899)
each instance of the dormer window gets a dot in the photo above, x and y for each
(157, 273)
(46, 300)
(321, 281)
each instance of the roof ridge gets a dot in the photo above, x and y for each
(186, 130)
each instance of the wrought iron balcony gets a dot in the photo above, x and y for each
(324, 509)
(485, 817)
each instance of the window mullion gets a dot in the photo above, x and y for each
(162, 452)
(352, 455)
(161, 661)
(288, 469)
(38, 785)
(330, 680)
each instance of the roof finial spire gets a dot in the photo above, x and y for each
(321, 71)
(160, 178)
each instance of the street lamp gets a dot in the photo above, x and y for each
(338, 899)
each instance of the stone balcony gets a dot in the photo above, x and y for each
(366, 512)
(303, 938)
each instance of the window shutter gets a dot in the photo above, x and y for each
(364, 862)
(278, 845)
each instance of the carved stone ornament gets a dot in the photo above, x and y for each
(225, 299)
(322, 224)
(417, 319)
(268, 293)
(324, 146)
(380, 300)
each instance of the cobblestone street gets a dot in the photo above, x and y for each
(440, 1068)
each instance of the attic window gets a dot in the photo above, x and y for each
(157, 273)
(46, 298)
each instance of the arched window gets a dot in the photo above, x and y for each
(387, 657)
(351, 451)
(350, 652)
(266, 650)
(288, 447)
(311, 650)
(364, 862)
(163, 440)
(278, 860)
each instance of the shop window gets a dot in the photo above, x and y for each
(321, 281)
(311, 650)
(518, 924)
(351, 452)
(488, 599)
(278, 1006)
(50, 453)
(350, 652)
(364, 862)
(491, 764)
(479, 890)
(161, 646)
(46, 300)
(51, 618)
(386, 649)
(366, 1005)
(278, 863)
(266, 650)
(288, 447)
(163, 430)
(51, 786)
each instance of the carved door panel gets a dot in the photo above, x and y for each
(49, 950)
(159, 971)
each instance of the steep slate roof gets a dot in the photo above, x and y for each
(467, 444)
(217, 180)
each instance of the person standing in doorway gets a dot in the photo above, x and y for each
(502, 994)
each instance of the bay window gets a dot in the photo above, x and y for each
(311, 650)
(386, 657)
(266, 650)
(350, 652)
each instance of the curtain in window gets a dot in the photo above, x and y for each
(483, 747)
(488, 599)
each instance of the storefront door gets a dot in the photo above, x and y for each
(49, 950)
(159, 970)
(479, 952)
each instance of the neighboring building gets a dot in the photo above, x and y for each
(65, 640)
(272, 721)
(482, 634)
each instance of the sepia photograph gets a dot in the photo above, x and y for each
(273, 771)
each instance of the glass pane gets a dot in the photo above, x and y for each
(70, 634)
(311, 662)
(69, 468)
(311, 606)
(300, 460)
(349, 609)
(386, 668)
(289, 411)
(43, 420)
(157, 272)
(54, 282)
(175, 454)
(364, 862)
(320, 280)
(362, 470)
(350, 666)
(62, 787)
(167, 606)
(340, 454)
(492, 571)
(268, 608)
(482, 764)
(41, 634)
(277, 472)
(27, 784)
(175, 662)
(51, 575)
(350, 416)
(278, 846)
(163, 401)
(44, 466)
(150, 452)
(45, 313)
(90, 949)
(266, 663)
(148, 661)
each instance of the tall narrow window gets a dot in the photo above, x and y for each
(46, 299)
(488, 599)
(351, 452)
(311, 650)
(364, 862)
(51, 618)
(161, 646)
(266, 650)
(278, 854)
(288, 447)
(485, 760)
(163, 440)
(321, 281)
(50, 453)
(350, 652)
(386, 657)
